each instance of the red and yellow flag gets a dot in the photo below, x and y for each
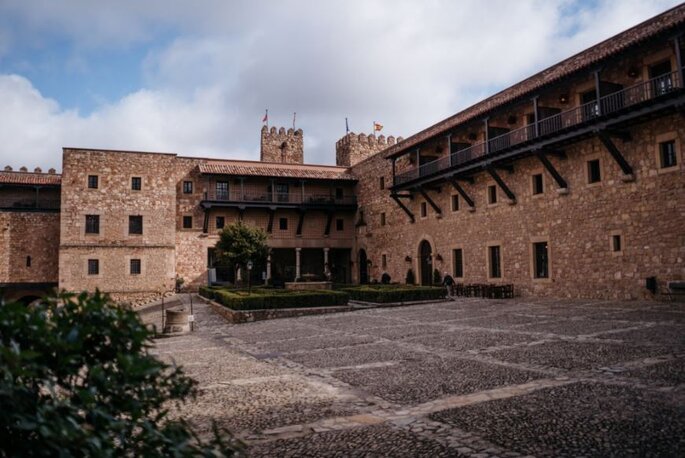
(377, 126)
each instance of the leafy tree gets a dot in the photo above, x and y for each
(239, 243)
(76, 379)
(410, 279)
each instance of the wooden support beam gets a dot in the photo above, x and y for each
(552, 171)
(678, 60)
(461, 192)
(205, 224)
(430, 201)
(403, 207)
(615, 153)
(300, 221)
(329, 220)
(270, 225)
(241, 213)
(468, 178)
(503, 186)
(403, 196)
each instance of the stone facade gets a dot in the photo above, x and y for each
(281, 145)
(29, 243)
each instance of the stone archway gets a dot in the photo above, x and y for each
(363, 267)
(425, 263)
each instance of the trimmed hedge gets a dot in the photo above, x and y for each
(384, 294)
(260, 298)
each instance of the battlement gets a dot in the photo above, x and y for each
(354, 148)
(281, 145)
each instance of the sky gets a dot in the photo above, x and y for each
(195, 77)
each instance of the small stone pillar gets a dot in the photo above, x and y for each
(268, 268)
(297, 262)
(325, 255)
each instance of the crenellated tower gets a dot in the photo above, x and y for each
(280, 145)
(353, 148)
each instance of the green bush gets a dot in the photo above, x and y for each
(384, 294)
(77, 379)
(262, 298)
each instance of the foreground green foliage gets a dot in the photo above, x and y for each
(384, 294)
(76, 379)
(260, 298)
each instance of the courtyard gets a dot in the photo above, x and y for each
(475, 377)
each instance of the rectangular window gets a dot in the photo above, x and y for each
(594, 174)
(135, 266)
(382, 182)
(492, 194)
(92, 224)
(339, 224)
(136, 183)
(135, 225)
(384, 261)
(28, 261)
(187, 187)
(339, 193)
(455, 202)
(93, 267)
(220, 222)
(495, 262)
(424, 210)
(616, 244)
(667, 154)
(92, 181)
(541, 260)
(283, 224)
(537, 184)
(282, 192)
(382, 219)
(458, 259)
(187, 222)
(222, 190)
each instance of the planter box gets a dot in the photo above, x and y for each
(248, 316)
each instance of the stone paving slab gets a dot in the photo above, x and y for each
(466, 339)
(503, 321)
(371, 441)
(353, 356)
(575, 327)
(575, 355)
(404, 331)
(582, 419)
(354, 320)
(271, 331)
(656, 316)
(316, 342)
(669, 373)
(431, 378)
(671, 336)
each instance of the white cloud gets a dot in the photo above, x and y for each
(404, 63)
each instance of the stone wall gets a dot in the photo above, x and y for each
(280, 145)
(353, 148)
(114, 201)
(648, 213)
(31, 235)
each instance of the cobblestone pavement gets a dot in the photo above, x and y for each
(473, 378)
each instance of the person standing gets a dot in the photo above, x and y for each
(448, 282)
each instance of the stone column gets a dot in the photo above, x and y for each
(297, 262)
(268, 268)
(325, 256)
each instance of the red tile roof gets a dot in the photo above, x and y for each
(582, 60)
(30, 178)
(275, 169)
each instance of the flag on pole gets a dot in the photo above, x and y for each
(266, 117)
(347, 127)
(377, 126)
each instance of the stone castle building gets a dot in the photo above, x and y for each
(569, 183)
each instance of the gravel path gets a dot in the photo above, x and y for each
(476, 377)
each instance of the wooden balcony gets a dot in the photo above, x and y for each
(610, 111)
(273, 200)
(37, 204)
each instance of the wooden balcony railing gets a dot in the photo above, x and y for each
(294, 198)
(585, 114)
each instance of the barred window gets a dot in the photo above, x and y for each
(135, 224)
(136, 183)
(187, 187)
(93, 267)
(135, 266)
(92, 181)
(92, 224)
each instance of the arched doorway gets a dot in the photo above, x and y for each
(363, 267)
(426, 263)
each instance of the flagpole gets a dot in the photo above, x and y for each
(294, 116)
(347, 127)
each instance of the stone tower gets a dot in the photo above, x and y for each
(353, 148)
(282, 146)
